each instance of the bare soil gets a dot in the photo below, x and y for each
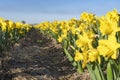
(38, 57)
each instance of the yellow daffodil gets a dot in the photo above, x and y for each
(9, 24)
(3, 25)
(18, 25)
(78, 56)
(85, 59)
(113, 15)
(88, 17)
(60, 38)
(106, 26)
(93, 55)
(107, 48)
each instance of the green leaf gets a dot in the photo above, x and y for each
(74, 63)
(70, 58)
(101, 72)
(115, 69)
(98, 72)
(79, 67)
(92, 74)
(110, 75)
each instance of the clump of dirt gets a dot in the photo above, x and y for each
(38, 57)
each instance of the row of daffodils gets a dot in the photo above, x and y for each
(11, 32)
(91, 43)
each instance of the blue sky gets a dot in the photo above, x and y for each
(35, 11)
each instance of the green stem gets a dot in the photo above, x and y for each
(79, 67)
(101, 72)
(70, 58)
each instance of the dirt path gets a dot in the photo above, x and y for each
(37, 57)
